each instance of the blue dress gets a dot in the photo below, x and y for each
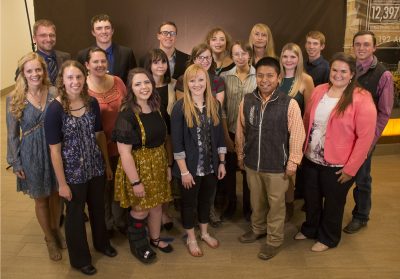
(27, 150)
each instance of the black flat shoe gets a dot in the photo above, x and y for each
(88, 269)
(156, 242)
(168, 226)
(110, 251)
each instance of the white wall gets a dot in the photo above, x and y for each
(15, 38)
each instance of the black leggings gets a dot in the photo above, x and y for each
(198, 196)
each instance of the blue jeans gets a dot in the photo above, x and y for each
(362, 191)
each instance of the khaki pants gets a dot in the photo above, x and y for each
(267, 197)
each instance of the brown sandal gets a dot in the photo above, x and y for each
(194, 248)
(54, 252)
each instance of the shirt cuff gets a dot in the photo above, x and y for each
(180, 155)
(291, 166)
(222, 150)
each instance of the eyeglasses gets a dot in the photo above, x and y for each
(166, 33)
(204, 58)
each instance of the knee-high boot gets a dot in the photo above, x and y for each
(138, 241)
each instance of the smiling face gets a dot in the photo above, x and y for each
(364, 47)
(259, 38)
(197, 84)
(289, 60)
(267, 80)
(33, 73)
(103, 32)
(204, 59)
(45, 38)
(218, 42)
(340, 74)
(159, 68)
(313, 48)
(73, 80)
(141, 87)
(97, 64)
(167, 36)
(240, 57)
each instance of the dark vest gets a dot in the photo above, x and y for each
(266, 132)
(370, 79)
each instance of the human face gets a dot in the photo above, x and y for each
(97, 64)
(45, 39)
(289, 60)
(33, 73)
(340, 74)
(204, 60)
(218, 42)
(73, 80)
(142, 87)
(167, 41)
(313, 48)
(159, 68)
(103, 32)
(197, 84)
(240, 57)
(364, 47)
(259, 38)
(267, 80)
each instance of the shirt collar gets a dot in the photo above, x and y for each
(109, 50)
(47, 56)
(365, 64)
(316, 61)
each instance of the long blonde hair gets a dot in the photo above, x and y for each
(298, 75)
(18, 96)
(189, 109)
(270, 47)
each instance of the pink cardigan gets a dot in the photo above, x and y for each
(349, 136)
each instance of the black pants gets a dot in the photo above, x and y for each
(325, 200)
(92, 193)
(229, 181)
(198, 196)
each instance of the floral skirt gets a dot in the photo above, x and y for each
(151, 165)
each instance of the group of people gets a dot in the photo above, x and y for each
(127, 140)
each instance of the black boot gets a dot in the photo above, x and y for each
(138, 241)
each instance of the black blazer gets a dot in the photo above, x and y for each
(124, 60)
(184, 139)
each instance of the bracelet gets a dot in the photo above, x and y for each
(223, 162)
(136, 183)
(185, 173)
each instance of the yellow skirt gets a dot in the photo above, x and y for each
(151, 165)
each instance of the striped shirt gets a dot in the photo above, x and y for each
(235, 89)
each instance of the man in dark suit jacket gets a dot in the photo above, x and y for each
(177, 59)
(44, 36)
(120, 58)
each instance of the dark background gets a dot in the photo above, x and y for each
(136, 22)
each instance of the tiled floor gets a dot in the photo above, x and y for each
(372, 253)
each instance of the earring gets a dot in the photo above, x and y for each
(350, 81)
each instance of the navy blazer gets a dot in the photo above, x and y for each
(184, 139)
(124, 60)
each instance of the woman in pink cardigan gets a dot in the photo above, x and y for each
(340, 124)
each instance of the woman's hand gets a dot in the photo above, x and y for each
(241, 164)
(20, 174)
(344, 177)
(109, 173)
(221, 171)
(169, 174)
(138, 190)
(65, 192)
(187, 181)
